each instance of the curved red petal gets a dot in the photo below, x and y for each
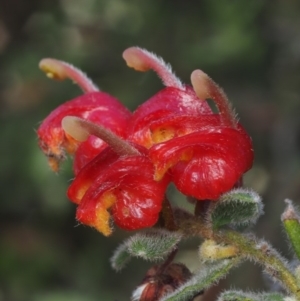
(138, 196)
(113, 117)
(91, 171)
(86, 151)
(206, 163)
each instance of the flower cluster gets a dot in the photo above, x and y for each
(123, 161)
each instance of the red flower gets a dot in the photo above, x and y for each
(119, 179)
(206, 163)
(124, 162)
(206, 153)
(95, 106)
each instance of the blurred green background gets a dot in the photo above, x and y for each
(251, 48)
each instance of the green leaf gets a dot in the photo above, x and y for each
(242, 296)
(120, 257)
(238, 207)
(208, 275)
(291, 222)
(153, 245)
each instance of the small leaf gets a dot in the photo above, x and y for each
(291, 222)
(238, 207)
(153, 245)
(242, 296)
(120, 257)
(208, 275)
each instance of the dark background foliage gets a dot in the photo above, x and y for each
(251, 48)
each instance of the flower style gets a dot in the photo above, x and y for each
(124, 162)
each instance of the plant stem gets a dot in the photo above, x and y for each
(249, 248)
(262, 253)
(168, 261)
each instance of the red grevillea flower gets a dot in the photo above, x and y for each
(206, 153)
(124, 162)
(120, 179)
(95, 106)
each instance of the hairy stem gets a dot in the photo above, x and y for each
(249, 248)
(263, 254)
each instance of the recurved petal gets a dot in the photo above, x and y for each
(130, 183)
(204, 164)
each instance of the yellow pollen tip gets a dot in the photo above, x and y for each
(54, 69)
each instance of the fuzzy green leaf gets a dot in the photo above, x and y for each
(242, 296)
(238, 207)
(120, 257)
(291, 222)
(208, 275)
(153, 245)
